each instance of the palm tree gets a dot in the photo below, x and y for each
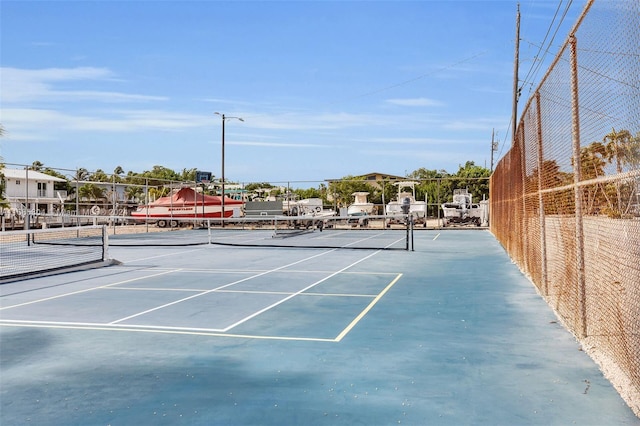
(592, 164)
(624, 150)
(157, 192)
(134, 193)
(99, 176)
(90, 191)
(619, 148)
(81, 174)
(116, 174)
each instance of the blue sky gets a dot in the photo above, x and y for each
(326, 88)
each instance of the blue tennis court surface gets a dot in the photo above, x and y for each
(449, 334)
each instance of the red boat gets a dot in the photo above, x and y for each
(187, 203)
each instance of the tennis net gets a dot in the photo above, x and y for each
(323, 232)
(32, 252)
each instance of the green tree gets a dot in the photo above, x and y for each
(308, 193)
(260, 190)
(623, 150)
(92, 192)
(557, 202)
(116, 174)
(592, 165)
(134, 193)
(162, 174)
(99, 176)
(341, 191)
(81, 174)
(475, 179)
(434, 187)
(593, 160)
(157, 192)
(188, 175)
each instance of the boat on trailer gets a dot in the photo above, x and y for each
(360, 209)
(406, 195)
(308, 207)
(360, 205)
(186, 203)
(462, 210)
(308, 213)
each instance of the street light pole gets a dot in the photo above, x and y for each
(224, 118)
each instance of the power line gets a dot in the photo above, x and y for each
(535, 68)
(393, 86)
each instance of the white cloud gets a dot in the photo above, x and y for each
(21, 85)
(26, 121)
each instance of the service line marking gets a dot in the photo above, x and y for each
(357, 319)
(184, 299)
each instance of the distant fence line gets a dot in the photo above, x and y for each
(124, 193)
(565, 199)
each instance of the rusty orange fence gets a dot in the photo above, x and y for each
(565, 199)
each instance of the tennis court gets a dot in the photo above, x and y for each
(214, 334)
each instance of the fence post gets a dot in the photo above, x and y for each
(523, 219)
(543, 229)
(577, 177)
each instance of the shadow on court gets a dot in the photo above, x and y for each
(449, 334)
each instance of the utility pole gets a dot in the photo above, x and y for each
(516, 92)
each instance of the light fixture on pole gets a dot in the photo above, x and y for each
(224, 118)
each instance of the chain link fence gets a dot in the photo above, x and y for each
(565, 200)
(38, 196)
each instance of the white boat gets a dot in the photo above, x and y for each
(462, 209)
(308, 207)
(406, 195)
(360, 205)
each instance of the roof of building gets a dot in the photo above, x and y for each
(370, 176)
(33, 175)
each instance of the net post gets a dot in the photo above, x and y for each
(411, 234)
(408, 222)
(105, 243)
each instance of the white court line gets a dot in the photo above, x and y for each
(216, 289)
(367, 309)
(255, 314)
(88, 289)
(436, 237)
(97, 324)
(332, 234)
(211, 333)
(202, 270)
(204, 331)
(305, 294)
(197, 290)
(214, 331)
(160, 255)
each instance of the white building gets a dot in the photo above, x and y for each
(28, 190)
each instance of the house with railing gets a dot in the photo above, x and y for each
(28, 190)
